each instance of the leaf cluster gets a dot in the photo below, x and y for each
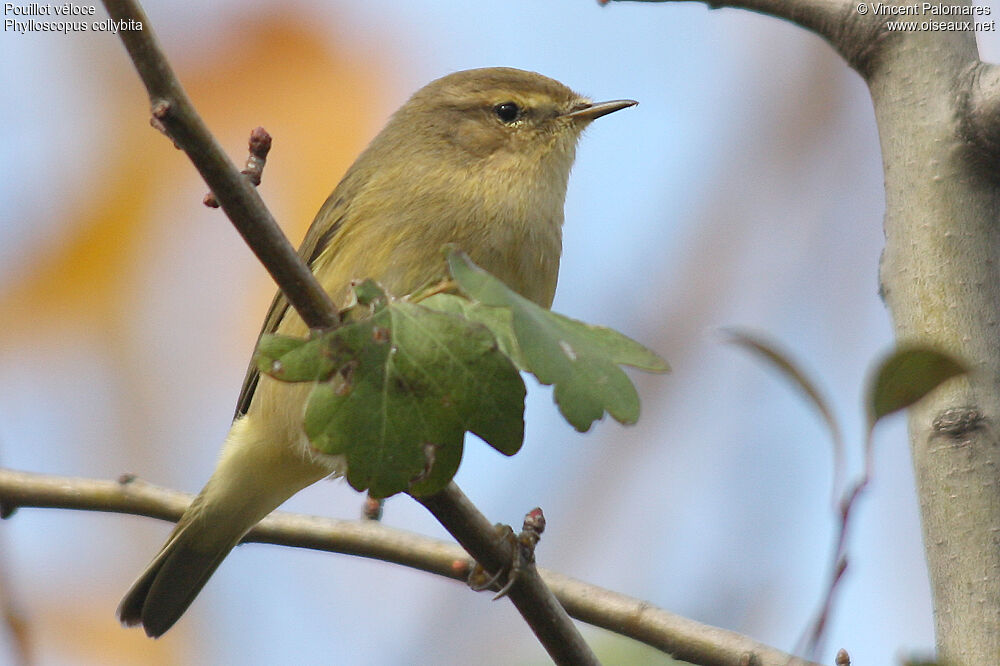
(397, 386)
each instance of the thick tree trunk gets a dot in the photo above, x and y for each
(941, 282)
(938, 113)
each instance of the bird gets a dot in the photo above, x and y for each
(478, 158)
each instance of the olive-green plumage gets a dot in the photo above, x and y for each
(479, 158)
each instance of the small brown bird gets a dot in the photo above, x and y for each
(478, 158)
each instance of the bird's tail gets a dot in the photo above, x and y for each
(162, 593)
(258, 470)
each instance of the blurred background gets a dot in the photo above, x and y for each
(745, 190)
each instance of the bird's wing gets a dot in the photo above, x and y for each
(317, 239)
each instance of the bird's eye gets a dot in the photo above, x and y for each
(508, 112)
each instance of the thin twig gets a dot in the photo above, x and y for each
(536, 603)
(177, 117)
(811, 641)
(685, 639)
(259, 147)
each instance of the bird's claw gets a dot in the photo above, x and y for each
(523, 548)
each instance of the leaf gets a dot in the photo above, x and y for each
(784, 364)
(905, 376)
(290, 359)
(498, 320)
(579, 359)
(409, 382)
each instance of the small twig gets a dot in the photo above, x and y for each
(812, 639)
(372, 508)
(175, 116)
(260, 146)
(524, 543)
(536, 603)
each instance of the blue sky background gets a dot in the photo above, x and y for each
(745, 190)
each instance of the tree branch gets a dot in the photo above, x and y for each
(683, 638)
(174, 113)
(820, 16)
(176, 116)
(536, 602)
(854, 35)
(981, 115)
(937, 107)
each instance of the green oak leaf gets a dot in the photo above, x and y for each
(291, 359)
(579, 359)
(498, 320)
(397, 391)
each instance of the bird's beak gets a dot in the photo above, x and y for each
(592, 110)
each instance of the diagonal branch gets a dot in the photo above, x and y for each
(853, 33)
(683, 638)
(817, 15)
(176, 116)
(528, 591)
